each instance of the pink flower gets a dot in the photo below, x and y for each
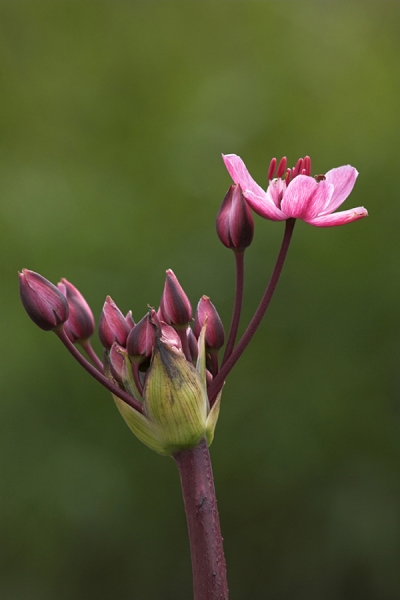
(298, 195)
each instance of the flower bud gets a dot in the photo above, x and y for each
(175, 306)
(193, 344)
(80, 323)
(170, 336)
(129, 319)
(235, 224)
(112, 325)
(117, 362)
(206, 313)
(43, 301)
(141, 339)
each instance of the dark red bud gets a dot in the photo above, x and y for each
(117, 361)
(215, 335)
(175, 306)
(193, 344)
(112, 325)
(43, 301)
(170, 336)
(80, 323)
(235, 224)
(141, 339)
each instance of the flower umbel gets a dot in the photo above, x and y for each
(164, 372)
(298, 195)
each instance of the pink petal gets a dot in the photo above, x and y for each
(339, 218)
(275, 191)
(237, 170)
(305, 197)
(258, 199)
(264, 206)
(343, 178)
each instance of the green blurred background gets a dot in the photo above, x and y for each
(113, 116)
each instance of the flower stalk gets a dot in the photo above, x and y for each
(218, 382)
(206, 547)
(114, 389)
(237, 307)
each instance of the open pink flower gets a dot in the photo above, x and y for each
(298, 195)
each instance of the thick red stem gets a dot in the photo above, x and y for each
(208, 561)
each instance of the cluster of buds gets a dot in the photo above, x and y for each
(158, 369)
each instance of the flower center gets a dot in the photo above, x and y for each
(303, 167)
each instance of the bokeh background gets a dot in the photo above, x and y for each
(113, 116)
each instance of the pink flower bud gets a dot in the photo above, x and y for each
(80, 323)
(193, 344)
(141, 339)
(175, 306)
(112, 325)
(209, 378)
(170, 336)
(235, 224)
(43, 301)
(215, 335)
(129, 319)
(117, 361)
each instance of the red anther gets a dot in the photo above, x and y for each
(307, 165)
(271, 169)
(288, 176)
(303, 172)
(282, 166)
(297, 169)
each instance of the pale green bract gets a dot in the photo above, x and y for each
(176, 411)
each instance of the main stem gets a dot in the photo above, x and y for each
(206, 549)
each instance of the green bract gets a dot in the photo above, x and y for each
(176, 410)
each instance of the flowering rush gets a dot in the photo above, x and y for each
(295, 194)
(165, 371)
